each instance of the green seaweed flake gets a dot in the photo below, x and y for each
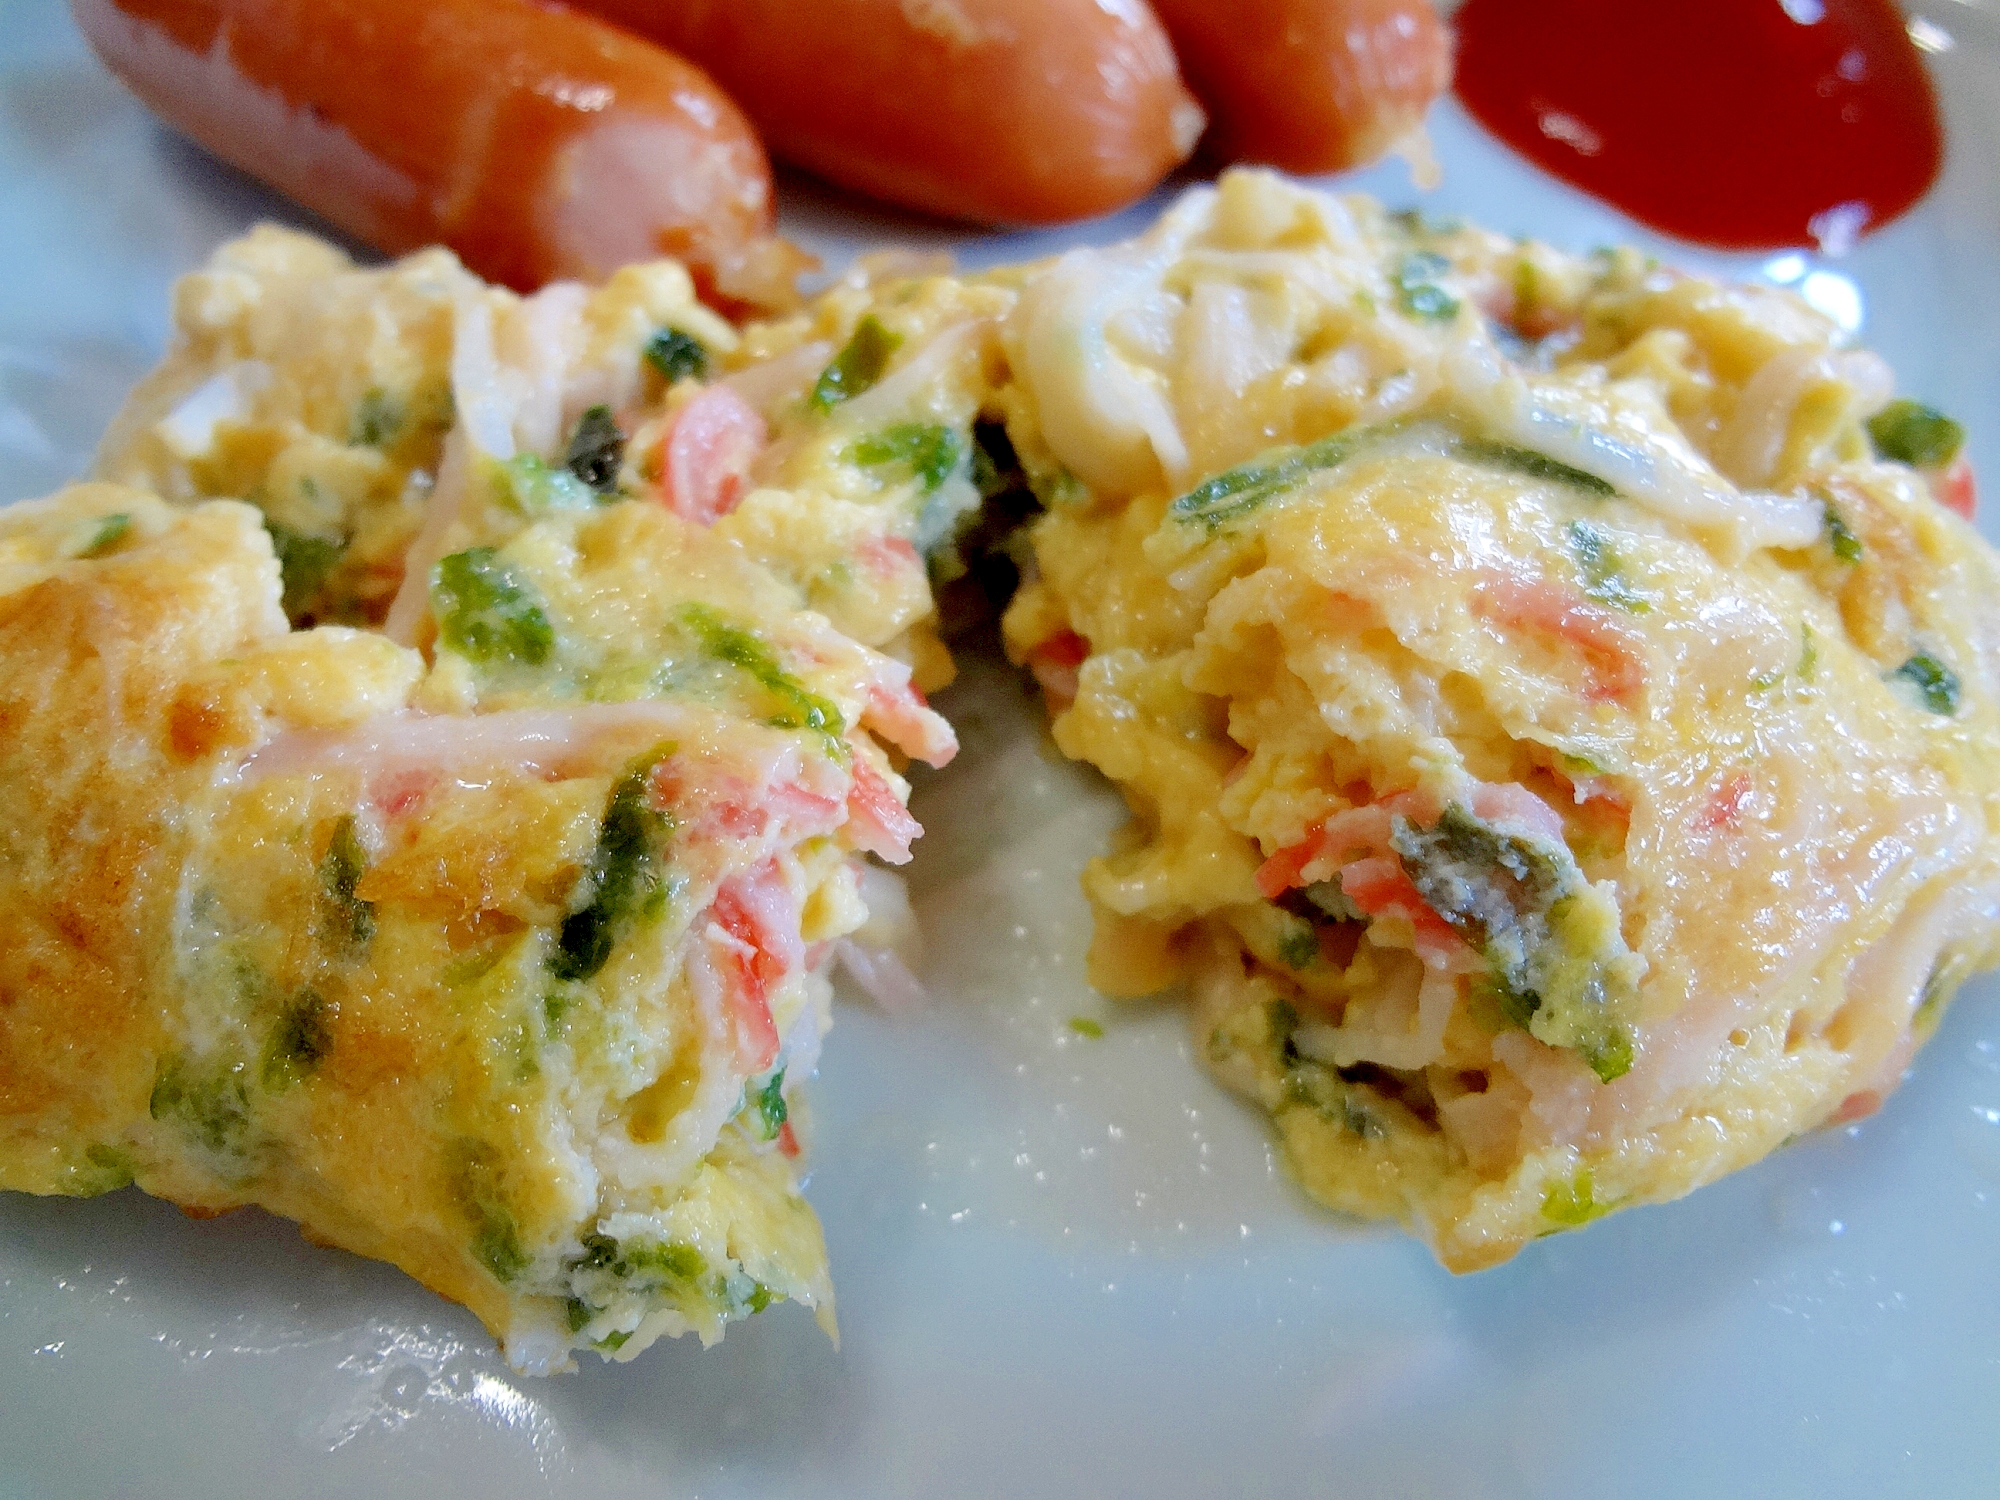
(298, 1042)
(1237, 492)
(929, 450)
(1417, 289)
(1572, 1204)
(1912, 433)
(378, 420)
(856, 367)
(210, 1103)
(527, 486)
(1840, 538)
(1299, 947)
(305, 561)
(596, 448)
(800, 708)
(1937, 686)
(677, 356)
(487, 610)
(347, 923)
(626, 880)
(107, 1170)
(1555, 960)
(1533, 464)
(1604, 570)
(496, 1238)
(1315, 1086)
(105, 533)
(767, 1108)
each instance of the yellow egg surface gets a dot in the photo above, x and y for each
(426, 820)
(1563, 752)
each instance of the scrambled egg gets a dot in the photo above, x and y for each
(437, 754)
(1564, 754)
(447, 848)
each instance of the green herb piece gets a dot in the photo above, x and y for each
(1912, 433)
(929, 451)
(768, 1108)
(1058, 489)
(1603, 570)
(675, 1260)
(1338, 1102)
(496, 1242)
(1535, 465)
(210, 1103)
(677, 355)
(802, 708)
(1808, 652)
(1411, 221)
(304, 562)
(615, 1340)
(1608, 1053)
(857, 367)
(578, 1313)
(595, 450)
(529, 487)
(1417, 289)
(626, 879)
(113, 1170)
(104, 534)
(346, 921)
(1084, 1026)
(1845, 544)
(1557, 960)
(1236, 492)
(1299, 947)
(486, 611)
(378, 418)
(1936, 684)
(301, 1038)
(1573, 1203)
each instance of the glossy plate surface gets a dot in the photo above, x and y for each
(1066, 1266)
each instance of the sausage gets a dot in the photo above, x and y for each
(1310, 85)
(997, 111)
(534, 142)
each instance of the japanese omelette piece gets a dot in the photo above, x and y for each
(485, 930)
(1557, 712)
(438, 753)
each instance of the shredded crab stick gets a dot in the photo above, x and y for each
(1310, 85)
(1612, 668)
(997, 111)
(754, 942)
(534, 142)
(706, 455)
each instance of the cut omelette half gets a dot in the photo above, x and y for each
(446, 847)
(1558, 714)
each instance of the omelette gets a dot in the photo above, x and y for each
(1557, 712)
(447, 743)
(422, 821)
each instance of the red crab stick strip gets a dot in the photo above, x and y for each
(999, 111)
(1310, 85)
(534, 142)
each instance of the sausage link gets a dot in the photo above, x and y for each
(997, 111)
(534, 142)
(1310, 85)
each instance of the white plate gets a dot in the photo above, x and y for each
(1066, 1267)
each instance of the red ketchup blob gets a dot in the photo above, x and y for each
(1743, 124)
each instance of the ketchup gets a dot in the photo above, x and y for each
(1743, 124)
